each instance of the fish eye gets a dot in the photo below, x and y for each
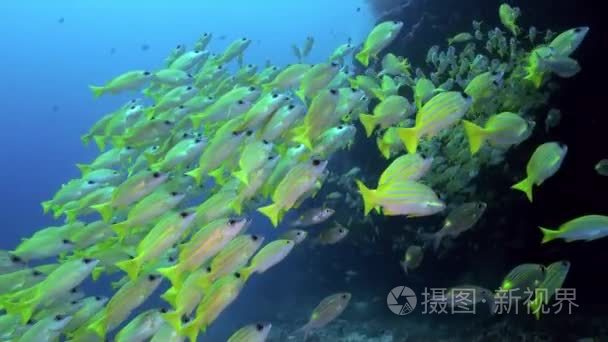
(146, 73)
(231, 222)
(66, 241)
(395, 22)
(132, 107)
(344, 296)
(274, 96)
(182, 106)
(578, 30)
(237, 275)
(244, 39)
(316, 162)
(115, 172)
(220, 67)
(270, 157)
(87, 260)
(205, 34)
(164, 310)
(341, 230)
(259, 327)
(156, 174)
(197, 51)
(189, 75)
(254, 237)
(251, 88)
(97, 298)
(291, 106)
(74, 290)
(241, 102)
(235, 133)
(210, 98)
(167, 122)
(36, 273)
(15, 259)
(90, 182)
(152, 277)
(174, 193)
(249, 133)
(58, 317)
(265, 142)
(250, 65)
(74, 302)
(299, 233)
(185, 319)
(171, 259)
(354, 90)
(333, 91)
(334, 64)
(184, 214)
(340, 127)
(178, 47)
(197, 141)
(189, 88)
(274, 68)
(565, 263)
(208, 269)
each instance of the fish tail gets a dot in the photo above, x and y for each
(303, 138)
(85, 138)
(409, 137)
(98, 327)
(218, 175)
(100, 141)
(121, 229)
(384, 148)
(368, 197)
(71, 215)
(196, 121)
(47, 205)
(378, 93)
(197, 174)
(273, 212)
(363, 57)
(266, 88)
(548, 234)
(174, 274)
(105, 210)
(84, 168)
(170, 296)
(525, 186)
(301, 94)
(174, 319)
(25, 309)
(242, 176)
(119, 141)
(97, 271)
(190, 330)
(131, 267)
(97, 91)
(369, 123)
(237, 205)
(475, 134)
(450, 41)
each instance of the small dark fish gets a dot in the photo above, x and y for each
(112, 51)
(145, 47)
(55, 108)
(358, 9)
(61, 20)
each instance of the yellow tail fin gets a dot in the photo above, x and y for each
(384, 148)
(100, 141)
(525, 186)
(170, 296)
(475, 134)
(273, 212)
(409, 137)
(363, 57)
(369, 123)
(105, 210)
(121, 229)
(84, 169)
(242, 176)
(196, 121)
(174, 319)
(132, 267)
(197, 174)
(368, 197)
(174, 274)
(97, 91)
(549, 235)
(46, 206)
